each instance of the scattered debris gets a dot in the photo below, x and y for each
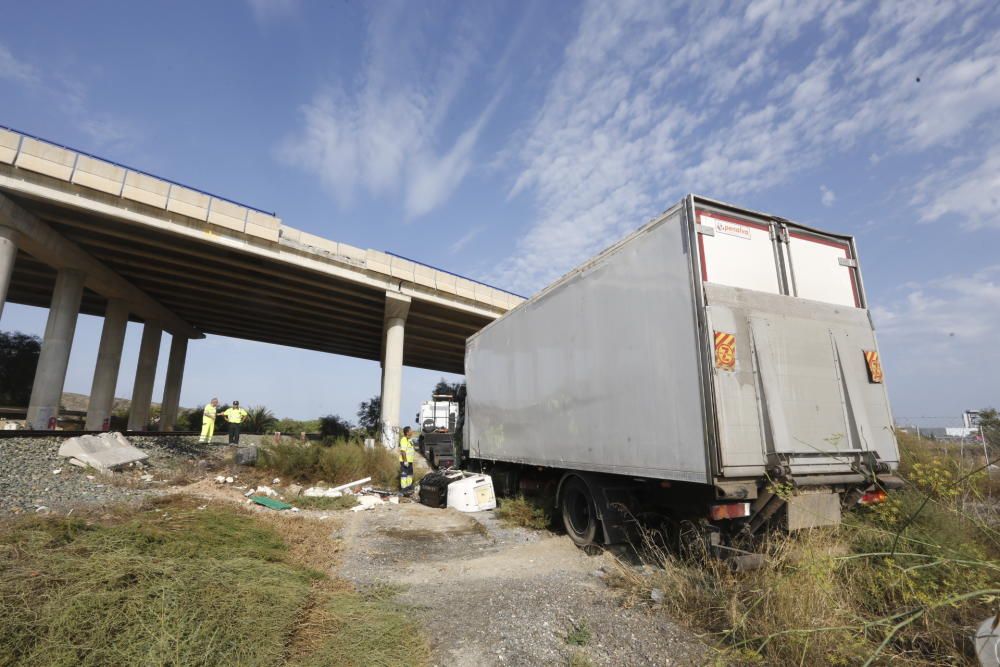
(344, 487)
(657, 596)
(270, 503)
(294, 490)
(276, 480)
(987, 641)
(472, 494)
(250, 492)
(146, 478)
(367, 503)
(266, 491)
(219, 479)
(57, 471)
(319, 492)
(42, 508)
(105, 452)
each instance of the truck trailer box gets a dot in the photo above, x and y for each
(714, 345)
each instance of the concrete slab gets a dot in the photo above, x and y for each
(465, 288)
(47, 159)
(424, 275)
(378, 261)
(98, 175)
(146, 189)
(352, 253)
(9, 141)
(188, 202)
(263, 226)
(318, 242)
(226, 214)
(402, 268)
(104, 452)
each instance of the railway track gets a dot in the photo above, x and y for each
(72, 434)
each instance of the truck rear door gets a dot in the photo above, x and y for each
(794, 366)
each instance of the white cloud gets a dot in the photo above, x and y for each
(464, 240)
(652, 102)
(947, 324)
(267, 11)
(383, 135)
(970, 194)
(15, 70)
(67, 92)
(827, 197)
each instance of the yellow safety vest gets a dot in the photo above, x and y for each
(405, 450)
(209, 411)
(235, 415)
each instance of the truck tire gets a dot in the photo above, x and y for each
(579, 512)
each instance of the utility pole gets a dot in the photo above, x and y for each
(986, 453)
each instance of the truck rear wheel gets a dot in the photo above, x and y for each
(579, 513)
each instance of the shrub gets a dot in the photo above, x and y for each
(260, 420)
(338, 463)
(296, 426)
(333, 426)
(18, 358)
(906, 581)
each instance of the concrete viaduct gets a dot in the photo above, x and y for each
(81, 234)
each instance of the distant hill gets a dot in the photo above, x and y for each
(79, 402)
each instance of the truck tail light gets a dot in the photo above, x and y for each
(729, 511)
(873, 497)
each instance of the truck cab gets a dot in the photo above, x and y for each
(437, 422)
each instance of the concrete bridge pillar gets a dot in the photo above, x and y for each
(172, 389)
(397, 307)
(50, 374)
(109, 359)
(8, 251)
(145, 376)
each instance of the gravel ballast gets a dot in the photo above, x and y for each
(29, 481)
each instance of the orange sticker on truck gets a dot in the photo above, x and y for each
(725, 351)
(874, 366)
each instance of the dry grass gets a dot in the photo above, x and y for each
(169, 584)
(522, 512)
(905, 582)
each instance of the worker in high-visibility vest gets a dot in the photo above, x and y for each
(208, 421)
(406, 462)
(235, 417)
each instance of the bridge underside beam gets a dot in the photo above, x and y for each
(230, 293)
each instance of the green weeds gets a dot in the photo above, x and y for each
(522, 512)
(171, 584)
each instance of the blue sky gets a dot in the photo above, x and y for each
(510, 141)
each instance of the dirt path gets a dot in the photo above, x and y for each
(488, 595)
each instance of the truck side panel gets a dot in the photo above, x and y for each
(599, 372)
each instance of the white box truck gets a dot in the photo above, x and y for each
(716, 367)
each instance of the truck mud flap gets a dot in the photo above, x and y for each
(812, 510)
